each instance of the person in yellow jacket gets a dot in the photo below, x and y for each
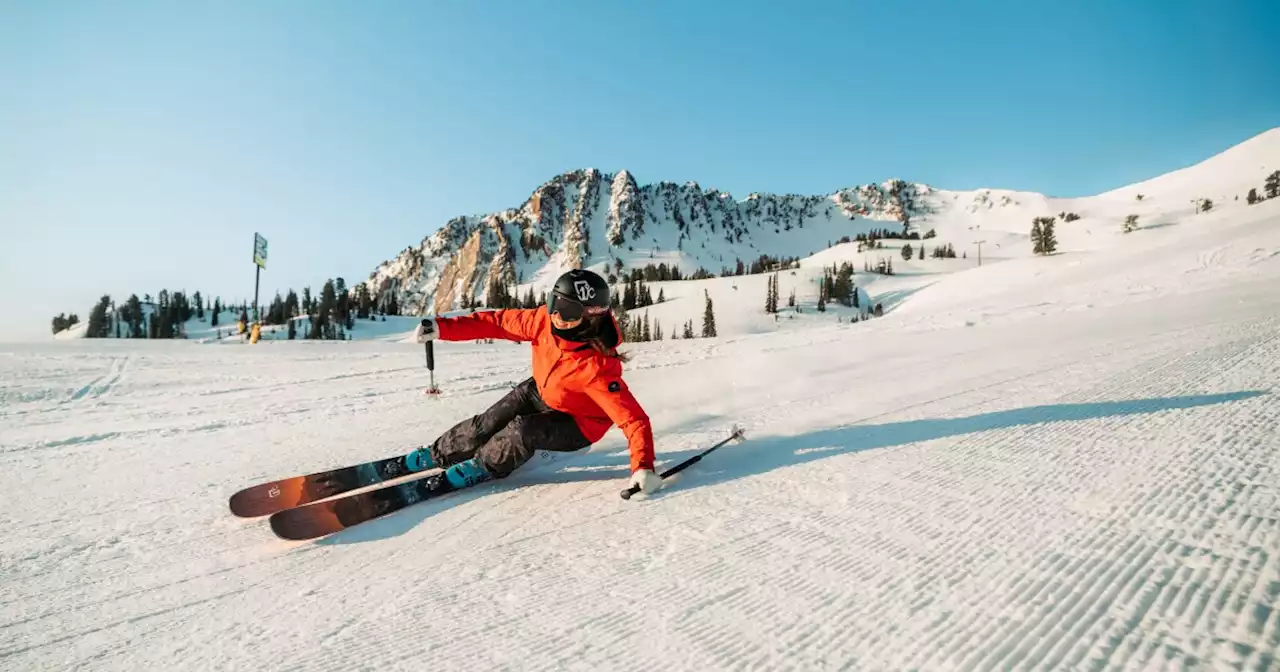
(256, 333)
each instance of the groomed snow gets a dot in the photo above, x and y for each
(1047, 463)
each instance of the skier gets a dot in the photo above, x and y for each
(575, 395)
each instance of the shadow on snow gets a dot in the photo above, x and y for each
(758, 456)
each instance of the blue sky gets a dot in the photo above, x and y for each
(143, 143)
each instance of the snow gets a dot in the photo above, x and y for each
(1062, 462)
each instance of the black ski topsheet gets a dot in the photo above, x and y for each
(324, 518)
(273, 496)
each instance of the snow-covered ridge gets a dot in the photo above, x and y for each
(609, 222)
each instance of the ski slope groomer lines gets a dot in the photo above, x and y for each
(1150, 515)
(1091, 489)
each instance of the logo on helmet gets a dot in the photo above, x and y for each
(584, 290)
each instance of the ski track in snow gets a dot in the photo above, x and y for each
(1056, 489)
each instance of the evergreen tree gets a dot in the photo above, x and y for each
(662, 297)
(629, 296)
(291, 304)
(791, 300)
(293, 329)
(322, 326)
(842, 288)
(1130, 223)
(275, 314)
(213, 318)
(770, 301)
(162, 318)
(657, 330)
(99, 325)
(1206, 205)
(393, 307)
(1042, 237)
(134, 308)
(907, 252)
(708, 318)
(199, 306)
(366, 301)
(343, 300)
(688, 329)
(1272, 185)
(1252, 198)
(647, 333)
(185, 310)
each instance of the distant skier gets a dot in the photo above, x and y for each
(575, 395)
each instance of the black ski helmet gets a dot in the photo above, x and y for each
(579, 292)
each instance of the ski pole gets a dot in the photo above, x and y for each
(737, 433)
(431, 368)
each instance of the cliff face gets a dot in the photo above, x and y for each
(609, 222)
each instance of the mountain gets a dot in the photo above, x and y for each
(611, 223)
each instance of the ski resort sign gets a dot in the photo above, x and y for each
(259, 250)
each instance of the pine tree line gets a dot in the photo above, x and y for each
(329, 317)
(763, 264)
(636, 294)
(167, 319)
(63, 321)
(641, 330)
(498, 295)
(883, 266)
(944, 252)
(1271, 188)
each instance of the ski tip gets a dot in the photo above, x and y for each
(308, 522)
(267, 498)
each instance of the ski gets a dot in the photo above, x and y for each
(319, 519)
(323, 518)
(273, 496)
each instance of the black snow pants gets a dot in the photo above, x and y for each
(507, 434)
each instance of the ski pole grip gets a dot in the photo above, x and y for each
(431, 356)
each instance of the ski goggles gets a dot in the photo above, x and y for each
(572, 310)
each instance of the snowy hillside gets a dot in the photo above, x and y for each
(1067, 462)
(611, 223)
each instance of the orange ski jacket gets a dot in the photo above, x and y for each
(571, 378)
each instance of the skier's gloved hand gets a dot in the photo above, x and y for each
(646, 480)
(425, 331)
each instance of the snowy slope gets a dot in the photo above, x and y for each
(1053, 463)
(610, 223)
